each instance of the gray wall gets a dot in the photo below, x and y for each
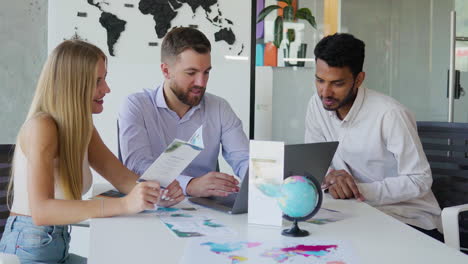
(23, 50)
(374, 28)
(407, 52)
(292, 90)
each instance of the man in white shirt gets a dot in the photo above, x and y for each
(379, 159)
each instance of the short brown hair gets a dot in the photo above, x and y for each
(181, 38)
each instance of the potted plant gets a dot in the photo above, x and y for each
(289, 15)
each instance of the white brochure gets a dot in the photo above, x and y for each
(175, 158)
(265, 178)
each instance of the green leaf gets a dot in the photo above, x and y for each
(291, 35)
(304, 13)
(288, 13)
(266, 11)
(278, 31)
(288, 2)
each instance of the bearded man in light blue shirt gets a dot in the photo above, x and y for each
(150, 120)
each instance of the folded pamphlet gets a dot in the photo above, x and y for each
(175, 158)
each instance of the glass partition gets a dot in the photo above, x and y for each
(407, 57)
(283, 88)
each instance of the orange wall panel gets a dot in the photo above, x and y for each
(330, 20)
(282, 4)
(271, 55)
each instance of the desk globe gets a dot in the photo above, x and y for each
(300, 199)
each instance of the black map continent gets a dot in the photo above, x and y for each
(164, 11)
(225, 34)
(205, 4)
(114, 27)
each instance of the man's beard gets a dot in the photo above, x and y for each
(185, 98)
(349, 99)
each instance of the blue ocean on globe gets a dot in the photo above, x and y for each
(298, 196)
(270, 190)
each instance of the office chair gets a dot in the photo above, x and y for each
(446, 147)
(118, 142)
(6, 156)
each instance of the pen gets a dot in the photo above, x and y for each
(140, 180)
(164, 192)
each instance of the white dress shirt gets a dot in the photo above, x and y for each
(380, 147)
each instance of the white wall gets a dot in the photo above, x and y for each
(137, 66)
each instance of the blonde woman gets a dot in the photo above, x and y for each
(55, 148)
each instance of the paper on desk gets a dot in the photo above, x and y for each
(175, 158)
(186, 224)
(161, 211)
(283, 250)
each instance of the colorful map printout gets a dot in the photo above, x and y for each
(186, 222)
(287, 251)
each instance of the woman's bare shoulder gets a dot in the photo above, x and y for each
(39, 134)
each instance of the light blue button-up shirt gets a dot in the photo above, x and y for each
(148, 126)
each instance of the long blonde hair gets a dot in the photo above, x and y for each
(64, 92)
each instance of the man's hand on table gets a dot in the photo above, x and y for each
(341, 185)
(212, 184)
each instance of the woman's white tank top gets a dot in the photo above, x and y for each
(20, 189)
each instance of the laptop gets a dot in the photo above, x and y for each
(301, 159)
(235, 203)
(312, 159)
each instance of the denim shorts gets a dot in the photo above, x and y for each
(35, 244)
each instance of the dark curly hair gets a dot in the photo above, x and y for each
(341, 50)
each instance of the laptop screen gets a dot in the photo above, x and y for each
(312, 158)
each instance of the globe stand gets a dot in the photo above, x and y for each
(295, 231)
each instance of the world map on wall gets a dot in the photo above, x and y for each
(163, 13)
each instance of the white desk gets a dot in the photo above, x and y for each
(375, 237)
